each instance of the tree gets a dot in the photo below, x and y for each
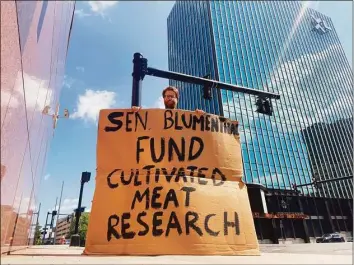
(83, 224)
(37, 235)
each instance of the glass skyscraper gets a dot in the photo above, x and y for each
(281, 47)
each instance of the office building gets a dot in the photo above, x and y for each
(34, 44)
(285, 48)
(62, 228)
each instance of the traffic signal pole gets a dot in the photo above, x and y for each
(78, 212)
(75, 239)
(140, 69)
(45, 227)
(316, 182)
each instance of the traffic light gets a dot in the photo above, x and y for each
(315, 183)
(295, 187)
(264, 106)
(54, 213)
(66, 113)
(207, 89)
(85, 177)
(140, 66)
(207, 92)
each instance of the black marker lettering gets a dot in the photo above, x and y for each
(138, 117)
(192, 156)
(125, 226)
(235, 224)
(156, 223)
(222, 176)
(112, 186)
(191, 173)
(129, 180)
(201, 175)
(128, 121)
(168, 117)
(148, 172)
(207, 228)
(177, 127)
(138, 148)
(112, 117)
(170, 197)
(214, 125)
(207, 122)
(185, 124)
(153, 153)
(188, 190)
(142, 223)
(137, 182)
(173, 223)
(169, 175)
(181, 174)
(138, 196)
(157, 175)
(111, 231)
(199, 120)
(172, 146)
(155, 196)
(191, 223)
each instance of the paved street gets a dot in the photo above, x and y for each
(332, 253)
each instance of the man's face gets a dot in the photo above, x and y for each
(170, 100)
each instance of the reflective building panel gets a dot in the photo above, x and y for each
(34, 41)
(285, 48)
(280, 47)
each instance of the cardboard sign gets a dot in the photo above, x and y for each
(169, 182)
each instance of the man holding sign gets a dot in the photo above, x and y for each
(169, 182)
(170, 98)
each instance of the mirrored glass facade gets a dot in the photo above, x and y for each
(280, 47)
(34, 43)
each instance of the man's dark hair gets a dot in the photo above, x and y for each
(170, 88)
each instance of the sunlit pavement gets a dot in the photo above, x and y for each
(330, 253)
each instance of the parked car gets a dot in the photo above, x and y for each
(330, 238)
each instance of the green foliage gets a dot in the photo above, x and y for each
(37, 235)
(83, 224)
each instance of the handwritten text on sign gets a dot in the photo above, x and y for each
(169, 142)
(168, 182)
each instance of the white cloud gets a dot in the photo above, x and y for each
(67, 206)
(100, 7)
(46, 177)
(80, 69)
(81, 13)
(90, 104)
(6, 93)
(159, 103)
(37, 91)
(331, 108)
(276, 180)
(68, 81)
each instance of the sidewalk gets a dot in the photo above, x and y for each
(337, 253)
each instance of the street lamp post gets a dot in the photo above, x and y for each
(75, 239)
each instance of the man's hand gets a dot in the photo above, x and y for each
(200, 112)
(135, 109)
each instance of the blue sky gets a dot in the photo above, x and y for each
(104, 38)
